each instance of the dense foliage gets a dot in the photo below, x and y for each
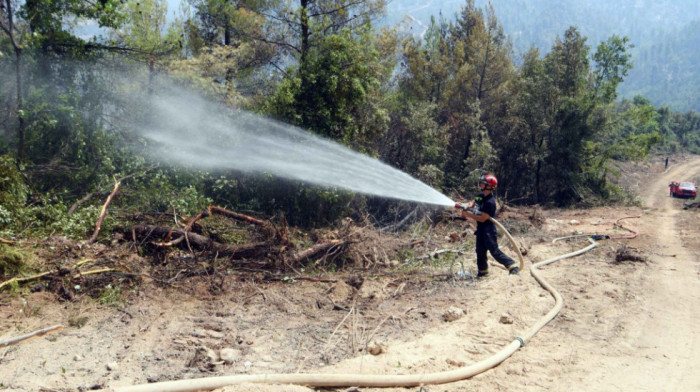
(444, 108)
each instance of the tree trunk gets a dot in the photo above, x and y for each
(20, 106)
(537, 181)
(304, 29)
(151, 73)
(8, 26)
(465, 155)
(482, 74)
(229, 70)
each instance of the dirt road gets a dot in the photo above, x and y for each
(666, 330)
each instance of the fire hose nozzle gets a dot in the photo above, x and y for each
(463, 206)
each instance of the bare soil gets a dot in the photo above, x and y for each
(630, 319)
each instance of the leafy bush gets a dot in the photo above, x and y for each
(431, 175)
(13, 190)
(168, 190)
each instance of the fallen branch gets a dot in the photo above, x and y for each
(330, 338)
(266, 225)
(202, 242)
(318, 248)
(4, 241)
(19, 280)
(191, 222)
(169, 243)
(35, 334)
(80, 202)
(235, 215)
(398, 226)
(97, 271)
(98, 226)
(117, 183)
(374, 332)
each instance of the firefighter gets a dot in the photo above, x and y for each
(484, 207)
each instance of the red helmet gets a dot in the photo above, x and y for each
(490, 180)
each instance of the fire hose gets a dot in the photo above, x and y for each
(369, 380)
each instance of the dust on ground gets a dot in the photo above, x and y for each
(628, 320)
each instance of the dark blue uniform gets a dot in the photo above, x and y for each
(486, 236)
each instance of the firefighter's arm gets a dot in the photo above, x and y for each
(483, 217)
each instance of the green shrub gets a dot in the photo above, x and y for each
(111, 296)
(13, 191)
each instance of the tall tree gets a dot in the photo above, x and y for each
(146, 32)
(242, 43)
(309, 21)
(568, 63)
(58, 111)
(612, 62)
(569, 128)
(15, 33)
(42, 24)
(425, 64)
(335, 89)
(477, 93)
(527, 145)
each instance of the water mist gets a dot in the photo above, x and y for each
(192, 131)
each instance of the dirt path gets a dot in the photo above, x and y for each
(666, 329)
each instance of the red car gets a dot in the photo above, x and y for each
(683, 189)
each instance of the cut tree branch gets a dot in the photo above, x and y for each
(317, 249)
(202, 242)
(80, 202)
(93, 272)
(35, 334)
(235, 215)
(19, 280)
(266, 225)
(87, 197)
(169, 243)
(98, 226)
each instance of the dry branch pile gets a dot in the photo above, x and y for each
(275, 243)
(165, 251)
(189, 248)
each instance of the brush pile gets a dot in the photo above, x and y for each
(183, 252)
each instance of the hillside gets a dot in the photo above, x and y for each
(665, 35)
(666, 70)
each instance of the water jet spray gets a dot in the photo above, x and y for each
(187, 130)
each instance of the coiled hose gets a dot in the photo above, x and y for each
(361, 380)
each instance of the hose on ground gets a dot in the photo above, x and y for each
(512, 242)
(370, 380)
(596, 237)
(558, 300)
(626, 237)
